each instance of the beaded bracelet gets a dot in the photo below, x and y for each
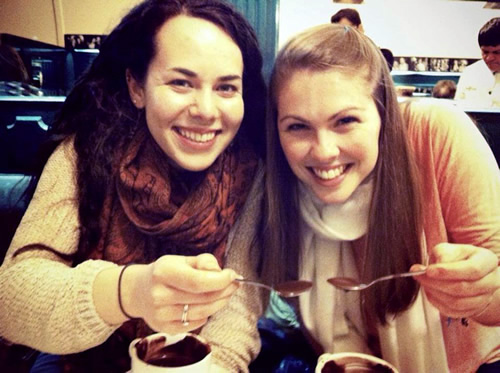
(120, 304)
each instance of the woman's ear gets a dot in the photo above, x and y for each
(135, 90)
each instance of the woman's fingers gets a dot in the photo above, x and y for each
(163, 295)
(461, 262)
(182, 273)
(195, 311)
(162, 289)
(176, 327)
(169, 318)
(191, 280)
(459, 307)
(461, 288)
(462, 279)
(206, 262)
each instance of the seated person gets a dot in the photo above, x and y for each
(12, 67)
(339, 148)
(444, 89)
(132, 225)
(389, 57)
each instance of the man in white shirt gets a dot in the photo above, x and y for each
(479, 84)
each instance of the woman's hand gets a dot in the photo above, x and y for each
(158, 292)
(463, 281)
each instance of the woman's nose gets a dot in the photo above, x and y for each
(325, 147)
(204, 106)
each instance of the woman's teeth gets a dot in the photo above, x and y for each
(195, 136)
(329, 174)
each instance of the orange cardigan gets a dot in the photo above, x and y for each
(461, 189)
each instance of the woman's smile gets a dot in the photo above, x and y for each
(196, 136)
(329, 173)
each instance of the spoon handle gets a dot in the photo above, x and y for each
(254, 283)
(398, 275)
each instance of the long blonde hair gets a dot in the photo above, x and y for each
(395, 224)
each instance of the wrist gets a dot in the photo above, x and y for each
(105, 295)
(122, 293)
(477, 315)
(489, 315)
(129, 290)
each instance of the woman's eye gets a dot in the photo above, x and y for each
(347, 120)
(227, 88)
(180, 83)
(296, 127)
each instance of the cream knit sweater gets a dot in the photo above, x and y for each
(48, 305)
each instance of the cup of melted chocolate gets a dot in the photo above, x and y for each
(160, 352)
(353, 362)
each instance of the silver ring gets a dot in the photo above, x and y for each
(184, 317)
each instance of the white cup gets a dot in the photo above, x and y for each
(353, 362)
(162, 353)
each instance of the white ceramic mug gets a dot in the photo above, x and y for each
(163, 353)
(353, 362)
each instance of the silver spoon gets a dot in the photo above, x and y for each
(286, 289)
(347, 283)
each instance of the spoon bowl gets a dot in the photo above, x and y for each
(286, 289)
(348, 283)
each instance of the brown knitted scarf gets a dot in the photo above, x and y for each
(155, 209)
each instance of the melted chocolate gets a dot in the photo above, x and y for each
(354, 367)
(291, 288)
(185, 352)
(343, 281)
(332, 367)
(382, 369)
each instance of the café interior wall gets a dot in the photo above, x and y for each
(30, 19)
(433, 28)
(430, 28)
(49, 20)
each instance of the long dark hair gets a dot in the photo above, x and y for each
(393, 241)
(100, 116)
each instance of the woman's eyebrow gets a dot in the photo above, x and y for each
(184, 71)
(230, 77)
(330, 118)
(292, 117)
(192, 74)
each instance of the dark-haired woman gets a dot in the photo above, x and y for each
(129, 228)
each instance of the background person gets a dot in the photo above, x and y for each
(479, 83)
(351, 17)
(14, 77)
(345, 198)
(348, 17)
(389, 57)
(157, 147)
(12, 67)
(444, 89)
